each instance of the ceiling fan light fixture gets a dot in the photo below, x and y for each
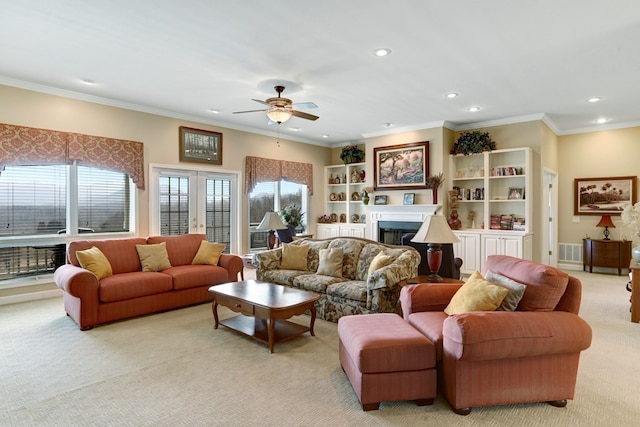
(279, 115)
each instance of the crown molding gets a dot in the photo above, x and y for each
(412, 128)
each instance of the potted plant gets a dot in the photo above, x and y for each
(292, 215)
(473, 142)
(352, 154)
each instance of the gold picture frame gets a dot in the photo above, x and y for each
(200, 146)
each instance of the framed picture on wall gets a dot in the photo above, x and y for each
(598, 196)
(408, 198)
(380, 200)
(200, 146)
(403, 166)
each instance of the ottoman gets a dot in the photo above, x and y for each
(386, 359)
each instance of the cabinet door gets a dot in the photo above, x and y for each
(512, 246)
(469, 250)
(327, 231)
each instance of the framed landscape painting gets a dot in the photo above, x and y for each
(403, 166)
(599, 196)
(200, 146)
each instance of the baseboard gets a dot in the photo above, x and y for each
(568, 266)
(32, 296)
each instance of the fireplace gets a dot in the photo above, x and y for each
(391, 232)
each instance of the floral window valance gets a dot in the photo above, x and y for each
(21, 145)
(259, 169)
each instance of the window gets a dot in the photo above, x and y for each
(46, 205)
(272, 196)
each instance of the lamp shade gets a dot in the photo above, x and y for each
(279, 114)
(605, 221)
(435, 229)
(271, 221)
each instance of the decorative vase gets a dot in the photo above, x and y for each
(635, 253)
(365, 199)
(434, 192)
(454, 221)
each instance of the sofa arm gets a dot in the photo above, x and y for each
(77, 282)
(403, 268)
(426, 297)
(233, 264)
(510, 334)
(267, 260)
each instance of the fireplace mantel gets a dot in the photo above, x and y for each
(400, 213)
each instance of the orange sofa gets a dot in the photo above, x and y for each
(132, 292)
(487, 358)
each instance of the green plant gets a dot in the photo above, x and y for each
(473, 142)
(292, 215)
(352, 154)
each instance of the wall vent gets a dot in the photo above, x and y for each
(570, 252)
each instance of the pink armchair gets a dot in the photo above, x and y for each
(504, 357)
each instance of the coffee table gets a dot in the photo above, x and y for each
(264, 308)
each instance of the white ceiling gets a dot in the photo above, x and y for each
(516, 60)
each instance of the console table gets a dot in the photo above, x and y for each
(606, 253)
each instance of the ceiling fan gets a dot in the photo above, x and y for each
(281, 109)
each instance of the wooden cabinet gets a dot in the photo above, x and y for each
(475, 247)
(343, 201)
(327, 231)
(468, 249)
(606, 253)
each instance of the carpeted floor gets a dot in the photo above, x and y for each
(174, 369)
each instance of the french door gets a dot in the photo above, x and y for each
(195, 201)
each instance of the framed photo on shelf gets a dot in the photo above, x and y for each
(599, 196)
(401, 166)
(200, 146)
(516, 193)
(408, 198)
(380, 200)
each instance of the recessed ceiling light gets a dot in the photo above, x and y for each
(594, 99)
(473, 109)
(383, 51)
(214, 111)
(325, 136)
(452, 95)
(88, 82)
(601, 120)
(294, 129)
(388, 125)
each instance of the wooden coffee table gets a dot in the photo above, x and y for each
(264, 308)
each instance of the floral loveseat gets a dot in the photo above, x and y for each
(354, 289)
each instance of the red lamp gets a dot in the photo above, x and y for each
(606, 222)
(435, 231)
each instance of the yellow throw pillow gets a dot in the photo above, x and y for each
(154, 257)
(331, 262)
(294, 257)
(477, 294)
(208, 253)
(94, 260)
(379, 261)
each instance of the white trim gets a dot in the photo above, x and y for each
(31, 296)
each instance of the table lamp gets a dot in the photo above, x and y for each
(435, 231)
(271, 221)
(606, 222)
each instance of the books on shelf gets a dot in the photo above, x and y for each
(470, 193)
(507, 222)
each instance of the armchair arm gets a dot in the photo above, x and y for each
(426, 297)
(233, 264)
(492, 335)
(402, 268)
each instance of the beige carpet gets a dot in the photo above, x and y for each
(174, 369)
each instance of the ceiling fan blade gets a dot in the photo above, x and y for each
(304, 115)
(261, 102)
(305, 105)
(248, 111)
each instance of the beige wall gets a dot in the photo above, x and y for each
(592, 155)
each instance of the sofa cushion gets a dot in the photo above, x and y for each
(193, 276)
(313, 256)
(208, 253)
(153, 257)
(314, 282)
(294, 257)
(181, 248)
(351, 249)
(93, 259)
(430, 324)
(477, 294)
(121, 253)
(282, 277)
(331, 262)
(545, 284)
(126, 286)
(515, 294)
(352, 289)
